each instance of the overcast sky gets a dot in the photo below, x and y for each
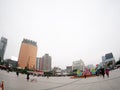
(68, 30)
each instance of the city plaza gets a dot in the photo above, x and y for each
(14, 82)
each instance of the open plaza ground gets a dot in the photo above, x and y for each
(12, 82)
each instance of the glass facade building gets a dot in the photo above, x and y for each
(3, 44)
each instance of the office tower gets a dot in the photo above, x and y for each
(108, 61)
(41, 64)
(46, 63)
(103, 58)
(3, 44)
(27, 54)
(37, 63)
(69, 69)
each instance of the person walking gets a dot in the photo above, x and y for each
(17, 73)
(107, 72)
(28, 76)
(102, 72)
(84, 74)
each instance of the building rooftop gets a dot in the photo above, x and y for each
(29, 42)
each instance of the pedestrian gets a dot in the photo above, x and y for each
(28, 76)
(47, 76)
(102, 72)
(107, 72)
(85, 74)
(17, 73)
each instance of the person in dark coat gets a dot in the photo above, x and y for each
(17, 73)
(102, 72)
(28, 76)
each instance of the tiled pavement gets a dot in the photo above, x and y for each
(12, 82)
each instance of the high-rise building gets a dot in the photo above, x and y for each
(108, 61)
(41, 64)
(103, 58)
(3, 44)
(37, 63)
(46, 63)
(27, 54)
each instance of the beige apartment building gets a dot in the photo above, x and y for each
(27, 54)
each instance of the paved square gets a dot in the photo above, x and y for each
(12, 82)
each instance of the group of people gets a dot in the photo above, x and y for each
(17, 73)
(27, 77)
(103, 71)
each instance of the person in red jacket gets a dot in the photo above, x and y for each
(107, 72)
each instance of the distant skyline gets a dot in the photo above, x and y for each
(68, 30)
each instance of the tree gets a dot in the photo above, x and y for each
(118, 62)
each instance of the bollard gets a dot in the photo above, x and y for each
(2, 85)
